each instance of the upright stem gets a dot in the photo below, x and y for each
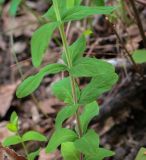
(23, 145)
(69, 63)
(139, 23)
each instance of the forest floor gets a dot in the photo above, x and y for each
(121, 123)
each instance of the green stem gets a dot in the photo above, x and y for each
(24, 146)
(69, 62)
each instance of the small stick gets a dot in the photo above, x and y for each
(139, 23)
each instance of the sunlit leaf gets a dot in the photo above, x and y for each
(33, 136)
(12, 140)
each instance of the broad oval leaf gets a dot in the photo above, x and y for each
(12, 140)
(90, 111)
(91, 67)
(65, 113)
(60, 136)
(33, 136)
(63, 91)
(31, 83)
(69, 152)
(76, 49)
(139, 56)
(97, 86)
(80, 12)
(40, 41)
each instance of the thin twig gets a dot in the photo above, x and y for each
(139, 23)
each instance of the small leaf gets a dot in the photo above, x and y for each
(12, 140)
(89, 139)
(141, 154)
(14, 118)
(40, 41)
(91, 67)
(33, 155)
(139, 56)
(91, 110)
(65, 113)
(81, 12)
(63, 91)
(30, 84)
(11, 127)
(97, 86)
(69, 151)
(14, 7)
(33, 136)
(76, 49)
(60, 136)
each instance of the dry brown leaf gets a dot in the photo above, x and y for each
(6, 96)
(51, 156)
(48, 105)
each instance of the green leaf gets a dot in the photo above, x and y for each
(30, 84)
(33, 136)
(12, 140)
(141, 155)
(76, 49)
(2, 1)
(70, 4)
(60, 136)
(69, 151)
(65, 113)
(89, 139)
(81, 12)
(50, 14)
(40, 41)
(90, 111)
(11, 127)
(91, 67)
(139, 56)
(97, 86)
(33, 155)
(101, 153)
(63, 91)
(89, 145)
(14, 118)
(14, 7)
